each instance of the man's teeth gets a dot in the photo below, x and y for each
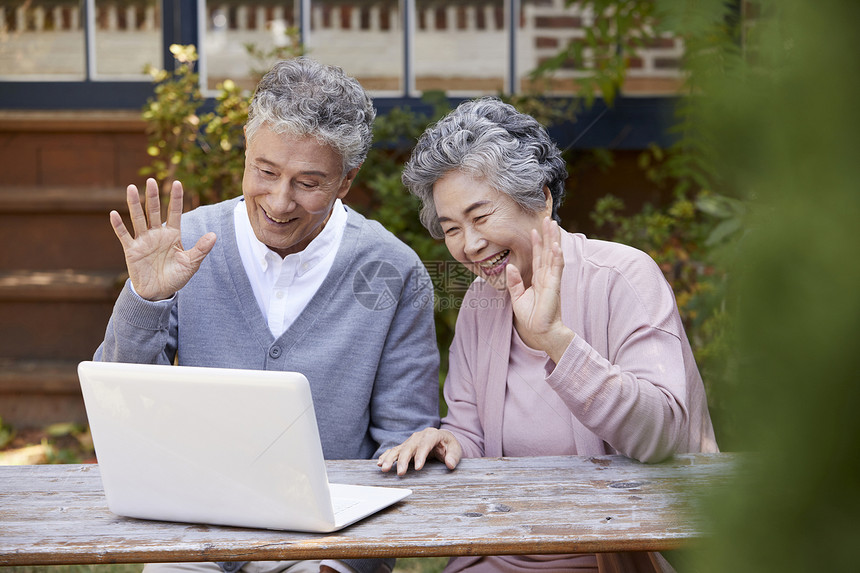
(276, 220)
(490, 263)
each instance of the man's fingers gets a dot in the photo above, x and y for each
(203, 247)
(135, 210)
(119, 230)
(174, 210)
(153, 204)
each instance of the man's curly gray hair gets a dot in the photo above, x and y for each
(304, 97)
(491, 141)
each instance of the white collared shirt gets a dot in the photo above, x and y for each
(283, 287)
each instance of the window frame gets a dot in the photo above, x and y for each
(631, 123)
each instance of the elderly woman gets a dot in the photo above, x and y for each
(563, 344)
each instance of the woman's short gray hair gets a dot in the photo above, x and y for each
(491, 141)
(304, 97)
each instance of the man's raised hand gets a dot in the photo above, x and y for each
(158, 266)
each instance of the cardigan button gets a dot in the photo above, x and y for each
(275, 351)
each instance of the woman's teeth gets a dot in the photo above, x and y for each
(490, 263)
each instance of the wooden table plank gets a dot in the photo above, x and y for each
(487, 506)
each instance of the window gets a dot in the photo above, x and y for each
(90, 54)
(74, 40)
(42, 39)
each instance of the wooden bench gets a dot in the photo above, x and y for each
(489, 506)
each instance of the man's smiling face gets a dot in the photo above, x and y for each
(290, 185)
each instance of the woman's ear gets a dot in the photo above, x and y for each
(548, 196)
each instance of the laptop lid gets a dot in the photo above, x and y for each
(216, 446)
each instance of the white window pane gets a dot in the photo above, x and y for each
(127, 37)
(364, 37)
(268, 26)
(461, 47)
(42, 40)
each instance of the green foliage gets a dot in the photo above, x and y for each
(784, 126)
(203, 150)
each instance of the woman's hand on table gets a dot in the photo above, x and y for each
(537, 307)
(440, 443)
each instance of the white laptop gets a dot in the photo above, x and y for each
(216, 446)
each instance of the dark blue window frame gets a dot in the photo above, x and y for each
(631, 123)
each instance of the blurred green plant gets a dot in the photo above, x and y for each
(784, 125)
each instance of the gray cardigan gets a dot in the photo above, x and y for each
(366, 340)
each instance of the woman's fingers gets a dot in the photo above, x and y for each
(537, 251)
(453, 451)
(514, 280)
(416, 449)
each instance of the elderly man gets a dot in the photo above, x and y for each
(282, 278)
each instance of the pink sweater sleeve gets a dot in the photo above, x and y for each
(639, 411)
(637, 398)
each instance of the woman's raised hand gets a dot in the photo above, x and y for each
(157, 264)
(537, 307)
(441, 443)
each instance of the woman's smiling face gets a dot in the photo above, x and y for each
(484, 228)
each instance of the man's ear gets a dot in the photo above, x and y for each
(347, 182)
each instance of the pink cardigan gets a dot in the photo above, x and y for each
(628, 377)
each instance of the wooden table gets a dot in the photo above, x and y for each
(57, 514)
